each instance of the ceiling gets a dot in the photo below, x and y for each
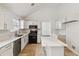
(25, 9)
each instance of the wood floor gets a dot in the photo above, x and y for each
(67, 52)
(32, 50)
(36, 50)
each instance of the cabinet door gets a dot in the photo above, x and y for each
(7, 50)
(1, 22)
(26, 39)
(36, 23)
(8, 20)
(39, 36)
(21, 24)
(22, 43)
(27, 23)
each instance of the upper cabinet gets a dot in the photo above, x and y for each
(27, 23)
(58, 25)
(17, 24)
(31, 22)
(21, 24)
(2, 22)
(6, 19)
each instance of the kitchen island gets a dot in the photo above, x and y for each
(52, 47)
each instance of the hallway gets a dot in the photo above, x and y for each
(36, 50)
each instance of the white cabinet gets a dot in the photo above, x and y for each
(37, 23)
(16, 25)
(46, 28)
(21, 24)
(27, 23)
(72, 35)
(58, 25)
(6, 20)
(1, 21)
(24, 41)
(39, 36)
(7, 50)
(52, 47)
(7, 53)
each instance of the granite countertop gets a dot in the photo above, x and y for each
(11, 39)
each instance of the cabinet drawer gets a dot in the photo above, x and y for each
(8, 52)
(6, 47)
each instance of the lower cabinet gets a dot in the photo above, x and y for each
(39, 37)
(7, 50)
(24, 41)
(14, 48)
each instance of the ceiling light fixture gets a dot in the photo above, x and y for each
(32, 4)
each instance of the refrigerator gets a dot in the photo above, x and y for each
(46, 28)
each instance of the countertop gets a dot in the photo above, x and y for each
(50, 42)
(11, 39)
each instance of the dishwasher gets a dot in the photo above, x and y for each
(16, 47)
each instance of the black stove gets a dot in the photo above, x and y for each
(33, 34)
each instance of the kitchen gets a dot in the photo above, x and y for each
(43, 28)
